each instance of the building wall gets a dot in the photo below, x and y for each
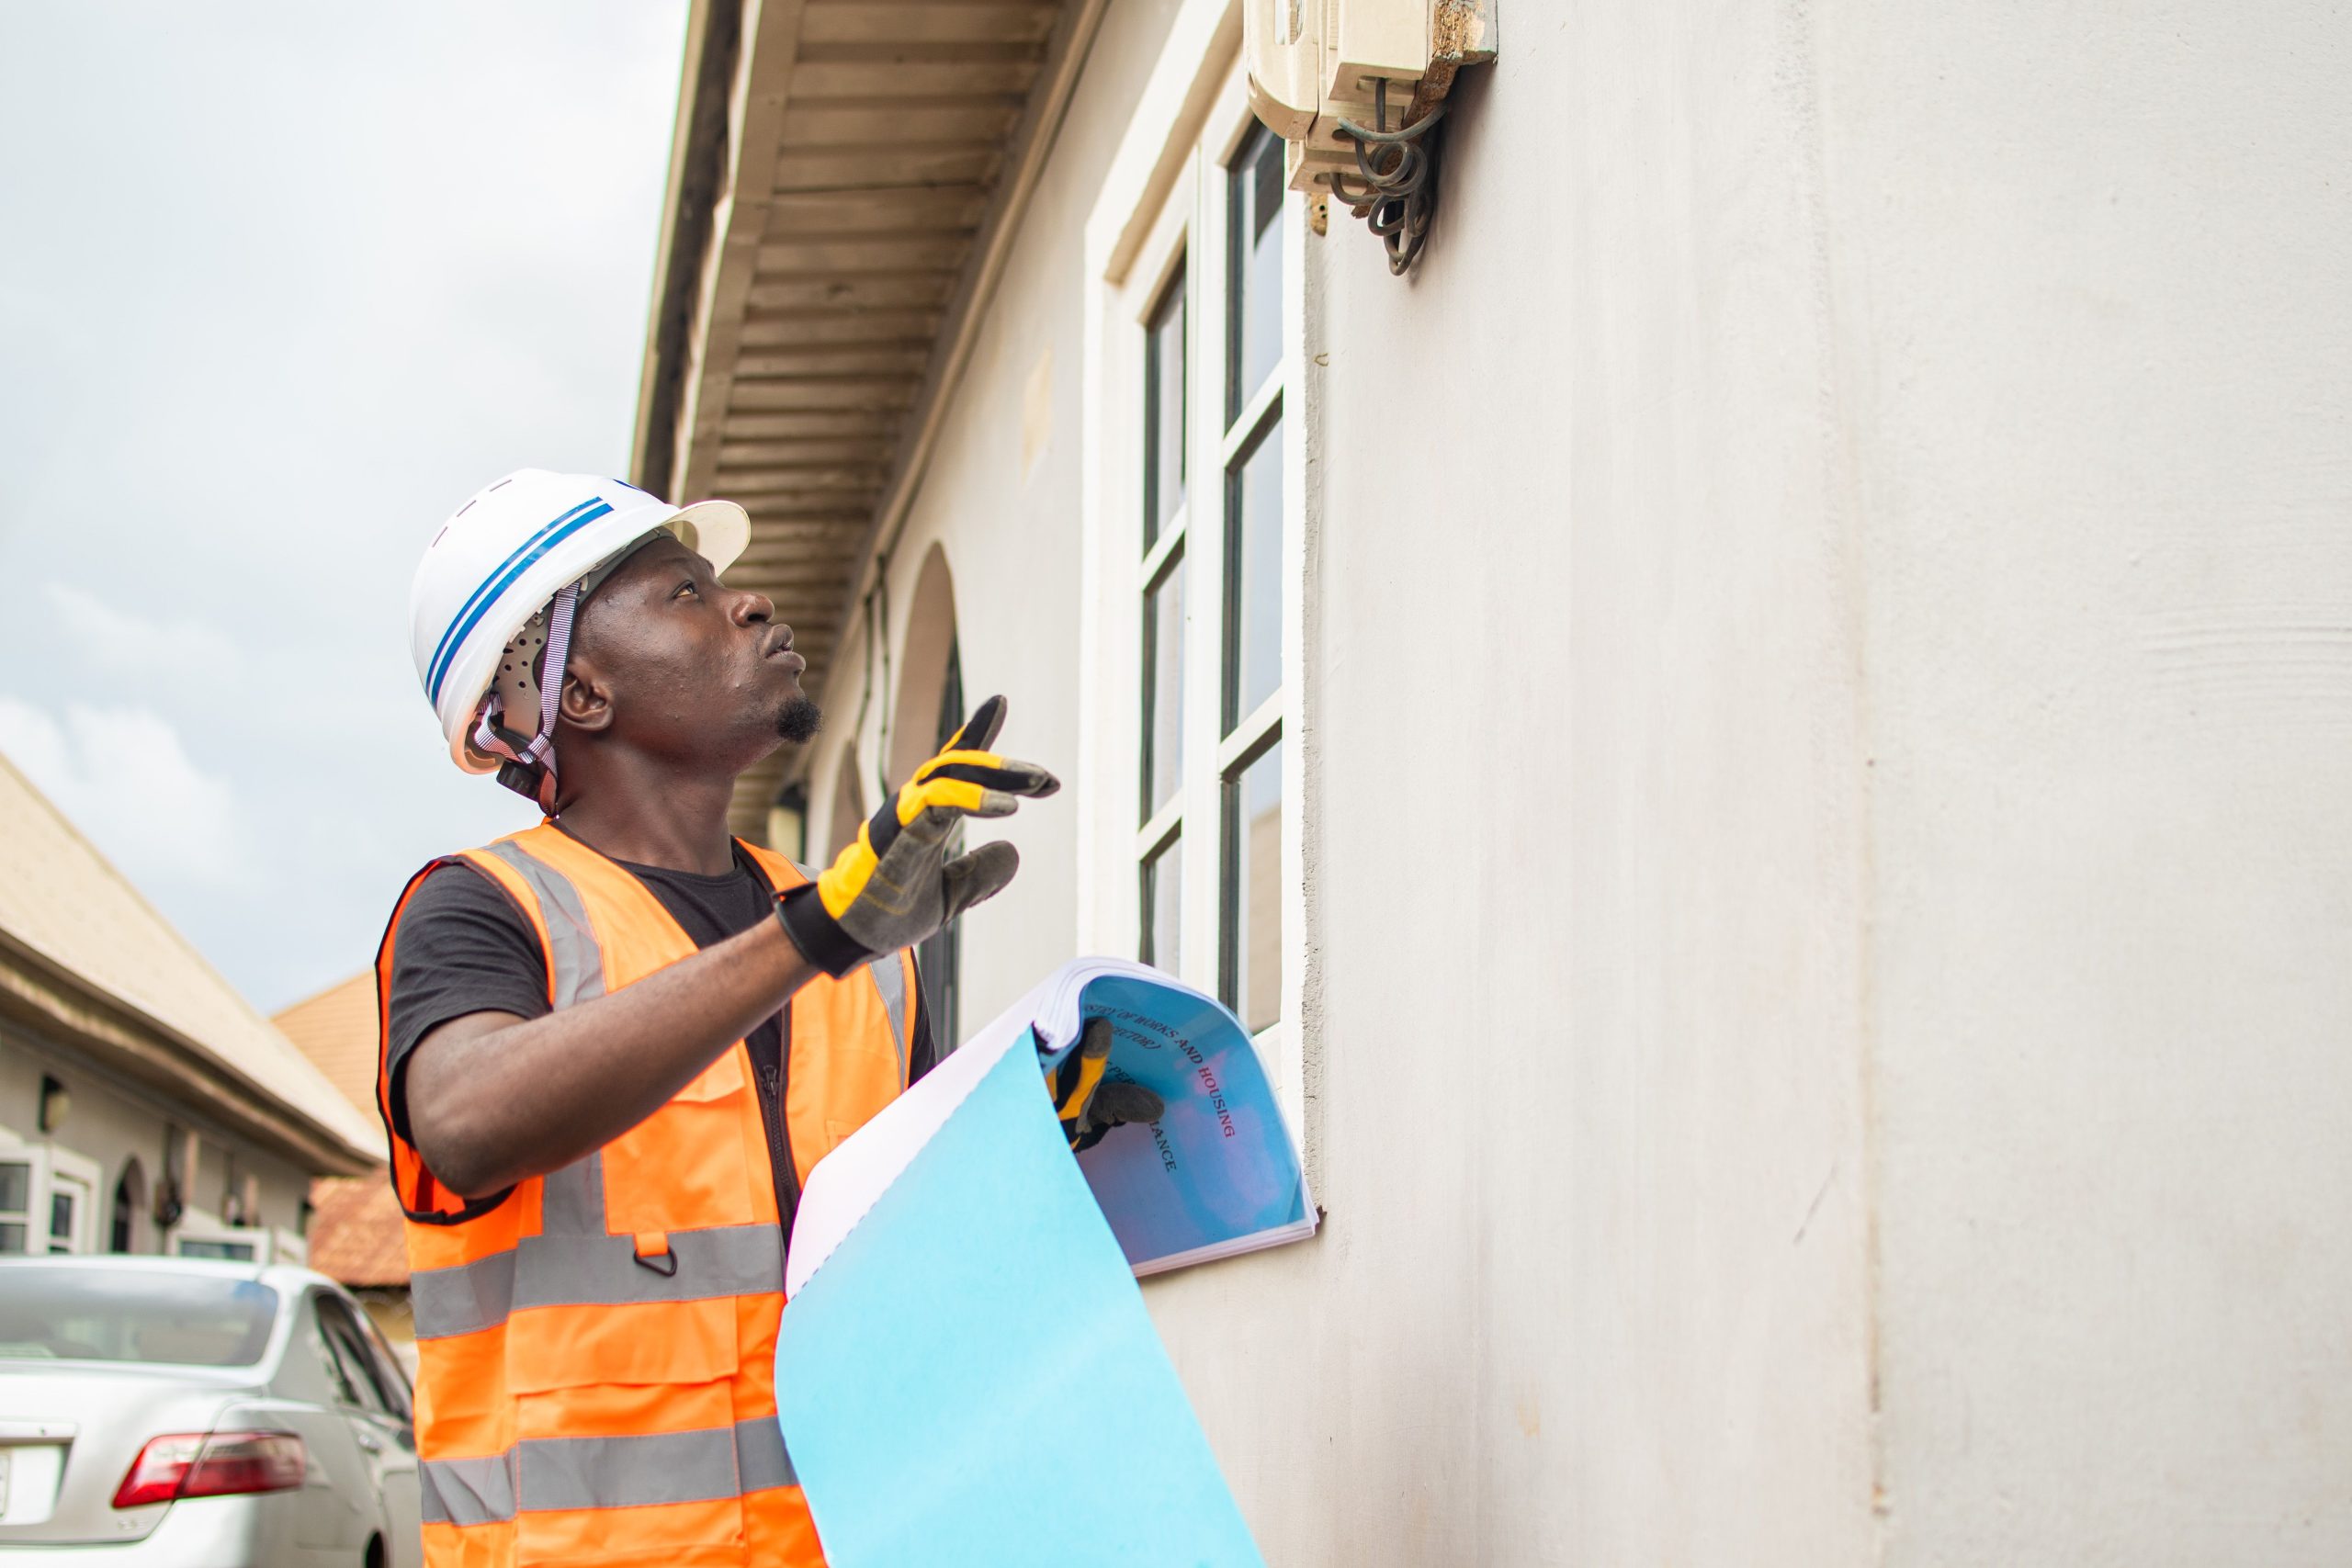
(110, 1122)
(2093, 369)
(1822, 701)
(1585, 853)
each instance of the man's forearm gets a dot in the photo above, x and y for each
(493, 1098)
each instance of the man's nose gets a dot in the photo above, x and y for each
(751, 608)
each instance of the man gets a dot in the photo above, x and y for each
(615, 1044)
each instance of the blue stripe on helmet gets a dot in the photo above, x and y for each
(444, 651)
(500, 581)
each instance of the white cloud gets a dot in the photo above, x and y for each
(225, 453)
(121, 775)
(113, 641)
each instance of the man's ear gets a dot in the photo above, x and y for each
(586, 702)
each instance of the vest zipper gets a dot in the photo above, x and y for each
(787, 1180)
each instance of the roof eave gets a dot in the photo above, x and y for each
(38, 992)
(697, 151)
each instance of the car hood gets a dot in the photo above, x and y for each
(73, 1428)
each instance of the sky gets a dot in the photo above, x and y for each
(280, 285)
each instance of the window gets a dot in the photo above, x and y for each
(1165, 379)
(45, 1205)
(79, 1313)
(363, 1376)
(202, 1234)
(1249, 965)
(16, 1206)
(1198, 543)
(391, 1376)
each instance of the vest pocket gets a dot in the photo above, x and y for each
(566, 1349)
(626, 1434)
(697, 1162)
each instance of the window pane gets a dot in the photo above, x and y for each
(1252, 959)
(1163, 409)
(12, 1237)
(112, 1314)
(391, 1376)
(223, 1251)
(1253, 338)
(61, 1222)
(350, 1348)
(1253, 580)
(1163, 907)
(15, 1188)
(1163, 688)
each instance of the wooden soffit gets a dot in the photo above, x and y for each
(845, 179)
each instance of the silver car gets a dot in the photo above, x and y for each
(181, 1414)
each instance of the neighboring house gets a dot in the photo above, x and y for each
(355, 1235)
(144, 1105)
(1763, 737)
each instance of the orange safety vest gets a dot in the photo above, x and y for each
(595, 1378)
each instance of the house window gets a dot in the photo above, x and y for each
(1200, 333)
(1165, 380)
(221, 1248)
(16, 1206)
(45, 1195)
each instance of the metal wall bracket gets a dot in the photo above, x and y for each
(1398, 196)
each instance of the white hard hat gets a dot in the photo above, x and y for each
(508, 555)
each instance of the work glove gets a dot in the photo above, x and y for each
(895, 885)
(1087, 1104)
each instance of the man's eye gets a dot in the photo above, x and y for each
(687, 587)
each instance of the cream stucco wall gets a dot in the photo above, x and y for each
(2095, 377)
(1825, 705)
(111, 1124)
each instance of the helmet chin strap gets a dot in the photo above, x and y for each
(528, 768)
(530, 674)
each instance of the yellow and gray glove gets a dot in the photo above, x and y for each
(895, 885)
(1089, 1105)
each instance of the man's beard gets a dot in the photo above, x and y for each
(799, 719)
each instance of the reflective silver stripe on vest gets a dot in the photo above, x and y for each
(608, 1472)
(594, 1270)
(468, 1491)
(572, 1199)
(579, 961)
(761, 1459)
(890, 972)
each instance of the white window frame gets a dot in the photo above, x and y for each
(67, 1169)
(35, 1214)
(201, 1226)
(54, 1168)
(1164, 199)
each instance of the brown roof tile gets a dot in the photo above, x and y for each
(356, 1232)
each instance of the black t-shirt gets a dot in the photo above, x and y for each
(465, 948)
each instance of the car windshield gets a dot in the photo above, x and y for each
(124, 1314)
